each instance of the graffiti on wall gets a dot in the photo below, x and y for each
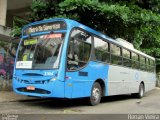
(7, 55)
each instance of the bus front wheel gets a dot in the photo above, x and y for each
(96, 94)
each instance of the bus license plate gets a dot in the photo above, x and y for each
(30, 88)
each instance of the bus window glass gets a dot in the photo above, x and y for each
(135, 60)
(126, 58)
(152, 65)
(116, 57)
(142, 60)
(115, 50)
(101, 50)
(79, 50)
(152, 62)
(147, 61)
(40, 52)
(148, 64)
(126, 53)
(143, 63)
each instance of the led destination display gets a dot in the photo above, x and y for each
(51, 26)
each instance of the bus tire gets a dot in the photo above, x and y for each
(96, 94)
(140, 94)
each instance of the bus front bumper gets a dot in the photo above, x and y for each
(50, 89)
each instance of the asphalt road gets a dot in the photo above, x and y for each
(11, 103)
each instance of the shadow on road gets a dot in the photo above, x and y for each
(51, 103)
(116, 98)
(54, 103)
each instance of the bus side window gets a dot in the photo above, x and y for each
(142, 63)
(126, 58)
(116, 56)
(135, 61)
(148, 64)
(79, 50)
(101, 50)
(152, 65)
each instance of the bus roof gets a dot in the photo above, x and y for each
(73, 23)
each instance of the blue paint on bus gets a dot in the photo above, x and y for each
(62, 87)
(35, 74)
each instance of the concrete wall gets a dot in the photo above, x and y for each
(7, 55)
(3, 11)
(5, 85)
(8, 9)
(9, 20)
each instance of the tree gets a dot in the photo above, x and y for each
(137, 21)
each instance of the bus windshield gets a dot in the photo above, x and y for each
(40, 52)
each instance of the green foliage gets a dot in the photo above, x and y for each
(43, 9)
(17, 26)
(137, 21)
(139, 26)
(153, 5)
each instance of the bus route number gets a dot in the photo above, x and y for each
(48, 73)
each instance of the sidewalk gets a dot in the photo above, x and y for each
(10, 96)
(5, 84)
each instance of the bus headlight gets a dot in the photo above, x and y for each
(53, 79)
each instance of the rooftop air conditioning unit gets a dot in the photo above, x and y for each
(125, 43)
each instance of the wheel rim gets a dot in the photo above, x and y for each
(141, 91)
(96, 94)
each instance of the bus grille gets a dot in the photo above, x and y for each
(34, 82)
(37, 90)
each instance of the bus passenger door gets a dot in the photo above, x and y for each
(75, 84)
(78, 54)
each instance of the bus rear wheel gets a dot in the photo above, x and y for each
(140, 94)
(96, 94)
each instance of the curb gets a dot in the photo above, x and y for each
(5, 85)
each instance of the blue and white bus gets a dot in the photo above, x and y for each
(61, 58)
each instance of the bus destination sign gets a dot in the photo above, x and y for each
(60, 25)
